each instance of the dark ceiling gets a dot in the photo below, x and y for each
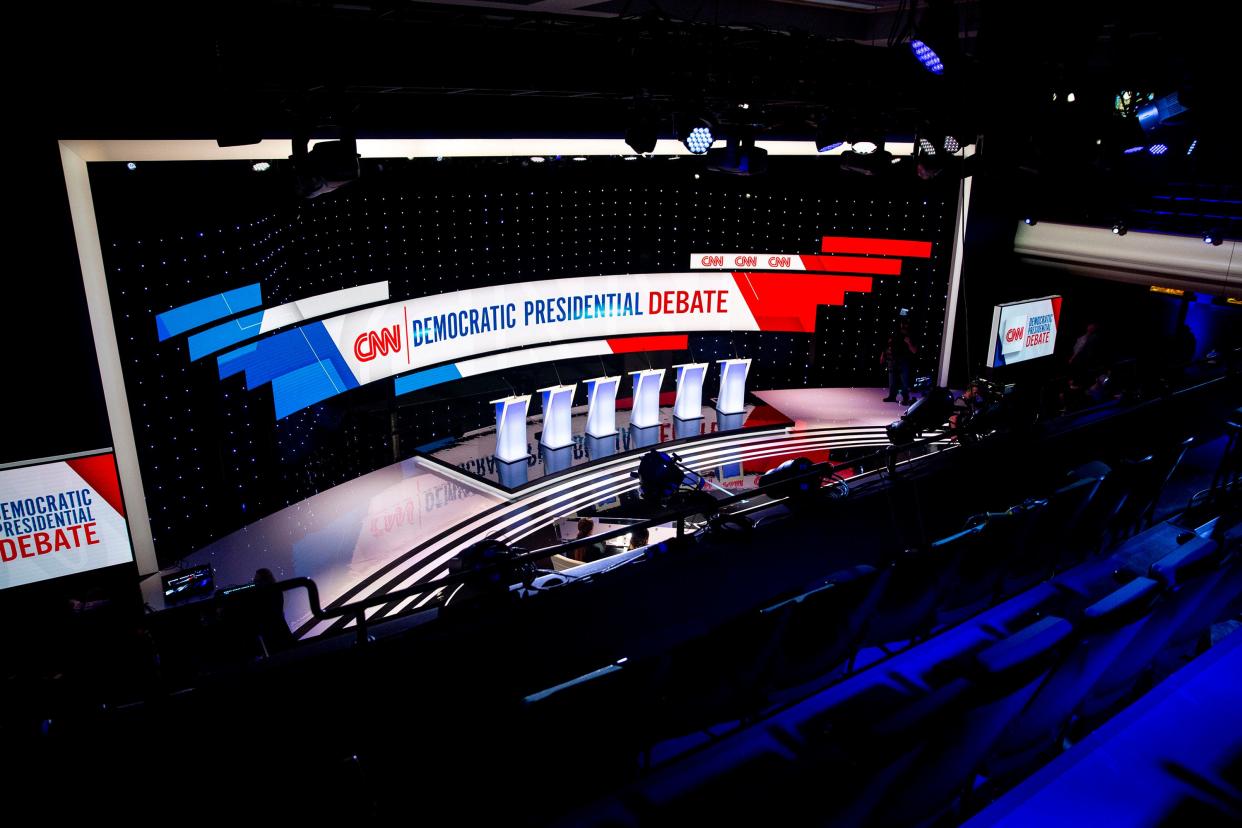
(575, 67)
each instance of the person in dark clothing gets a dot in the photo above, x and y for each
(269, 612)
(590, 551)
(898, 357)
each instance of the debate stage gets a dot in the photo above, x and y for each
(397, 526)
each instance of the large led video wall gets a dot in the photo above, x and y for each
(273, 348)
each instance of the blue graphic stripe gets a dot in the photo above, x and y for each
(424, 379)
(222, 336)
(306, 386)
(188, 317)
(234, 361)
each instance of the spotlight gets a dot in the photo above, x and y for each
(1070, 98)
(826, 139)
(1158, 149)
(1212, 237)
(931, 411)
(659, 476)
(780, 482)
(538, 159)
(1191, 149)
(927, 146)
(739, 156)
(864, 147)
(641, 135)
(872, 162)
(927, 56)
(1132, 150)
(325, 167)
(951, 144)
(1119, 229)
(697, 136)
(934, 39)
(261, 166)
(131, 166)
(1030, 221)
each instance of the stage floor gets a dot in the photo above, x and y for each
(402, 524)
(808, 407)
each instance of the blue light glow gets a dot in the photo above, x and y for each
(1133, 150)
(830, 147)
(927, 56)
(1193, 144)
(1158, 149)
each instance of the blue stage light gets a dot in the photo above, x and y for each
(699, 140)
(1158, 149)
(1190, 150)
(1133, 150)
(927, 56)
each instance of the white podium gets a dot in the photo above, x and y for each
(511, 428)
(689, 404)
(732, 396)
(602, 406)
(646, 410)
(557, 402)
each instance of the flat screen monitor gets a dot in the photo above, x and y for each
(61, 516)
(188, 583)
(1023, 331)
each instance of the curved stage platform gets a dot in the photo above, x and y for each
(392, 528)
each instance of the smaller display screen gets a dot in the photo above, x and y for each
(1024, 330)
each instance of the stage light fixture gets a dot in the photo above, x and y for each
(927, 146)
(1132, 150)
(697, 135)
(951, 144)
(131, 166)
(929, 412)
(782, 481)
(1191, 149)
(642, 134)
(864, 147)
(872, 160)
(1119, 229)
(327, 166)
(934, 39)
(261, 166)
(827, 139)
(739, 156)
(927, 56)
(1030, 221)
(1212, 237)
(660, 476)
(538, 159)
(1158, 149)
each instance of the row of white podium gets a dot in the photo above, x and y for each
(557, 401)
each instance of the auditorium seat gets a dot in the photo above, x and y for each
(968, 721)
(1193, 634)
(824, 630)
(1091, 533)
(914, 584)
(799, 641)
(1104, 629)
(1186, 574)
(980, 553)
(1056, 543)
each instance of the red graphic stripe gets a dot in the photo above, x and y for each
(634, 344)
(853, 264)
(99, 472)
(1056, 310)
(787, 301)
(879, 247)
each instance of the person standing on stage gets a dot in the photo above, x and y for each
(898, 356)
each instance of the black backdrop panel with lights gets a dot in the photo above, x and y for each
(212, 454)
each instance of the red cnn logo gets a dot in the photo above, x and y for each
(1014, 334)
(377, 343)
